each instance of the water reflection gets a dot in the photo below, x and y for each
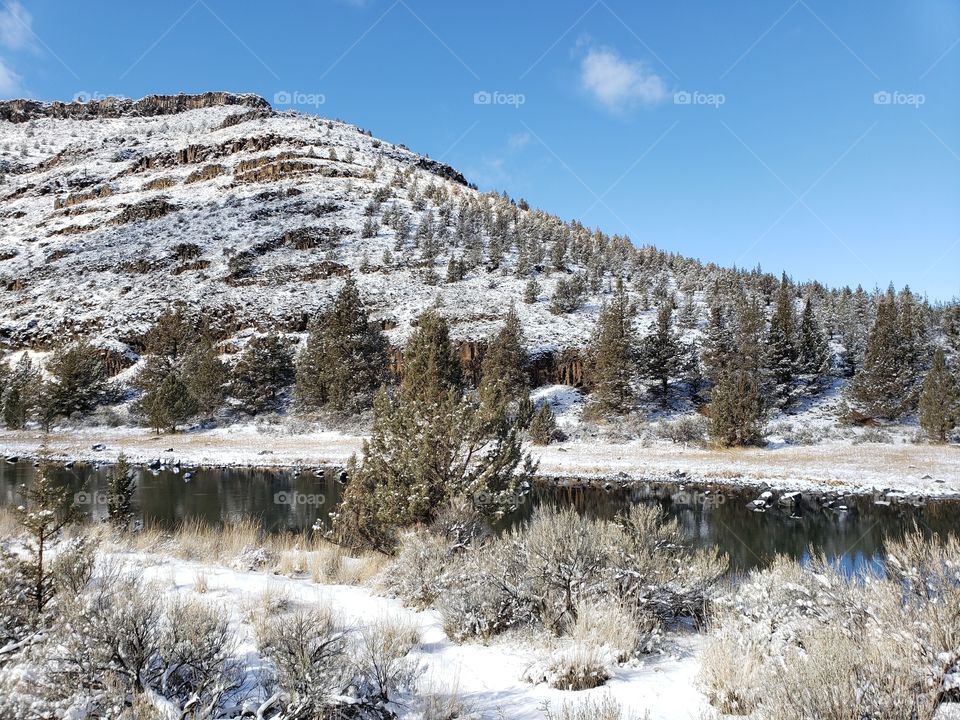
(287, 500)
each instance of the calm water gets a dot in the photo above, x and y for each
(285, 500)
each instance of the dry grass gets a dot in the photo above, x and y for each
(9, 527)
(605, 707)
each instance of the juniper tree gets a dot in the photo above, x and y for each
(736, 409)
(717, 353)
(611, 359)
(884, 386)
(661, 352)
(20, 394)
(531, 291)
(264, 370)
(430, 446)
(47, 511)
(939, 400)
(543, 426)
(345, 357)
(77, 380)
(205, 376)
(780, 358)
(505, 365)
(121, 484)
(813, 353)
(167, 402)
(567, 295)
(172, 334)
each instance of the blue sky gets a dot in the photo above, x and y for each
(818, 137)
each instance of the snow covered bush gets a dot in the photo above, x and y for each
(382, 662)
(685, 430)
(798, 642)
(416, 576)
(605, 707)
(309, 654)
(574, 666)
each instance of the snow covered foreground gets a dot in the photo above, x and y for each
(486, 678)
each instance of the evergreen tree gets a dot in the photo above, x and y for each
(47, 511)
(939, 400)
(612, 357)
(736, 409)
(172, 334)
(77, 380)
(264, 370)
(431, 365)
(543, 426)
(505, 365)
(781, 356)
(429, 447)
(20, 395)
(531, 291)
(717, 351)
(661, 352)
(121, 484)
(205, 376)
(167, 403)
(885, 385)
(345, 357)
(813, 353)
(567, 295)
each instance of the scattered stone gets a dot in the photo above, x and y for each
(99, 447)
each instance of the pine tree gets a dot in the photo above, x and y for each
(121, 484)
(612, 357)
(77, 380)
(736, 409)
(505, 365)
(717, 351)
(543, 426)
(431, 365)
(263, 371)
(939, 400)
(661, 352)
(780, 358)
(205, 376)
(430, 447)
(531, 291)
(813, 353)
(172, 334)
(345, 357)
(167, 403)
(21, 392)
(47, 511)
(885, 385)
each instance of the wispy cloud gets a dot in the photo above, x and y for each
(16, 26)
(518, 141)
(9, 80)
(619, 83)
(16, 33)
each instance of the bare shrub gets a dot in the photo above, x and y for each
(685, 430)
(416, 575)
(615, 629)
(308, 652)
(381, 657)
(605, 707)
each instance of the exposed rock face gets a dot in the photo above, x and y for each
(24, 110)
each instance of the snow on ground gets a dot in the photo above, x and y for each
(832, 465)
(487, 677)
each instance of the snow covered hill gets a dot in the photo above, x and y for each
(111, 210)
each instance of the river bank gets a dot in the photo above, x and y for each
(864, 469)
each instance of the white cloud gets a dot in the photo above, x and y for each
(9, 81)
(518, 141)
(618, 83)
(15, 26)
